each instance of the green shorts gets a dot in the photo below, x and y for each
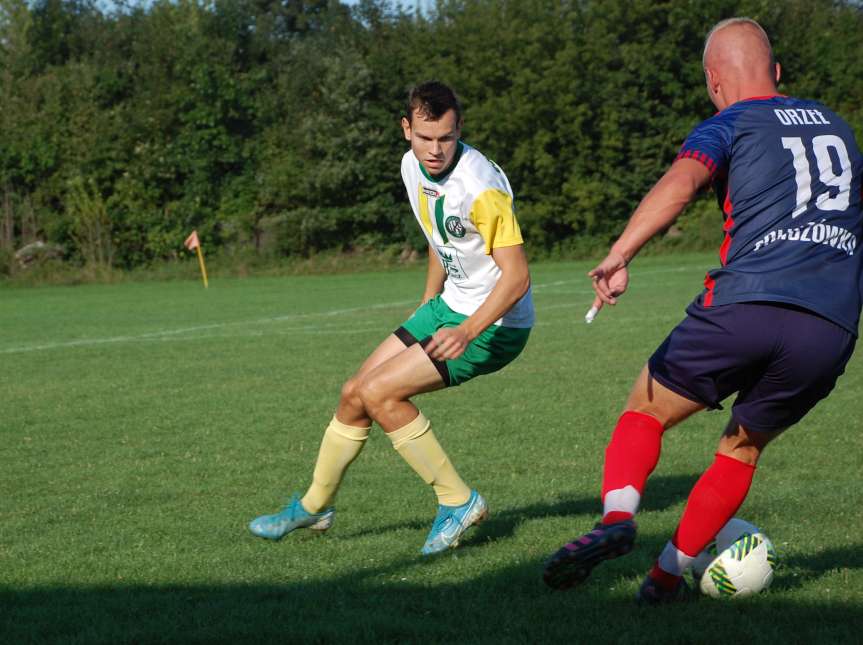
(494, 348)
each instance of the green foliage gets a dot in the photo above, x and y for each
(89, 225)
(272, 127)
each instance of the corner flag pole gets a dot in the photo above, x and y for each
(203, 266)
(192, 242)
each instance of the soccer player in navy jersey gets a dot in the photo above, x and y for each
(777, 321)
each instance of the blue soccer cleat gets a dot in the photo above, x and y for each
(293, 516)
(452, 521)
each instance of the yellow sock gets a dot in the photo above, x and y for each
(339, 447)
(417, 444)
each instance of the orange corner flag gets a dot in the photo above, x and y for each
(194, 244)
(192, 241)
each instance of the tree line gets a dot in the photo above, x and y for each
(272, 126)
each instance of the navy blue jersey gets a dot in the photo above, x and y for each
(787, 174)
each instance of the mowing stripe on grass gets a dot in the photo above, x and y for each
(164, 333)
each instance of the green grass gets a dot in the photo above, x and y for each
(143, 424)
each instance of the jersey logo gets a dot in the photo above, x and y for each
(454, 226)
(449, 258)
(431, 192)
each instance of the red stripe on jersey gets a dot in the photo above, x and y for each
(763, 98)
(728, 209)
(709, 283)
(700, 157)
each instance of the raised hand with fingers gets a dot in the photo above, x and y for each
(610, 280)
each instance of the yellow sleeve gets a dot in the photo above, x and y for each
(492, 214)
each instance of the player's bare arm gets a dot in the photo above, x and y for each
(450, 342)
(659, 208)
(435, 277)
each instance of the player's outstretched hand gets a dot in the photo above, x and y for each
(447, 344)
(610, 279)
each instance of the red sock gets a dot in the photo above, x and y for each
(714, 500)
(630, 457)
(667, 581)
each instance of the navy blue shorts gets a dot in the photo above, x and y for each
(780, 359)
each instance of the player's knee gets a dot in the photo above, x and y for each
(747, 454)
(744, 445)
(372, 395)
(652, 411)
(351, 393)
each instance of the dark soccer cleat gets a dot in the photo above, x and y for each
(572, 563)
(651, 593)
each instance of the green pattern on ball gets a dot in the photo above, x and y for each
(772, 559)
(744, 546)
(721, 581)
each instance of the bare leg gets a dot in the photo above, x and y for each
(385, 390)
(745, 445)
(385, 381)
(649, 396)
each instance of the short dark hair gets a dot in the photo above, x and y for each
(432, 100)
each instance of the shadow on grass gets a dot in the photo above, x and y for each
(458, 596)
(662, 492)
(803, 569)
(507, 604)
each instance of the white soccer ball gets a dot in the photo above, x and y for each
(728, 534)
(744, 568)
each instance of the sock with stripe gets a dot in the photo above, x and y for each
(630, 457)
(339, 447)
(418, 446)
(714, 500)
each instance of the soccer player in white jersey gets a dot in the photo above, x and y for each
(474, 318)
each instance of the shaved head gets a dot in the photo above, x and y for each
(738, 60)
(739, 40)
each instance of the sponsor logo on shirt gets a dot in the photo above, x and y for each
(813, 233)
(431, 192)
(452, 265)
(454, 226)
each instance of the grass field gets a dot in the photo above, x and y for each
(143, 425)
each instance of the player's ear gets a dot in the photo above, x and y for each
(406, 128)
(778, 72)
(710, 77)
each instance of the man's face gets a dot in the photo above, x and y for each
(434, 143)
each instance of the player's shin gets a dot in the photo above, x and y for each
(418, 446)
(630, 457)
(339, 447)
(714, 500)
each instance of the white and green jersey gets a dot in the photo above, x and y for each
(465, 213)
